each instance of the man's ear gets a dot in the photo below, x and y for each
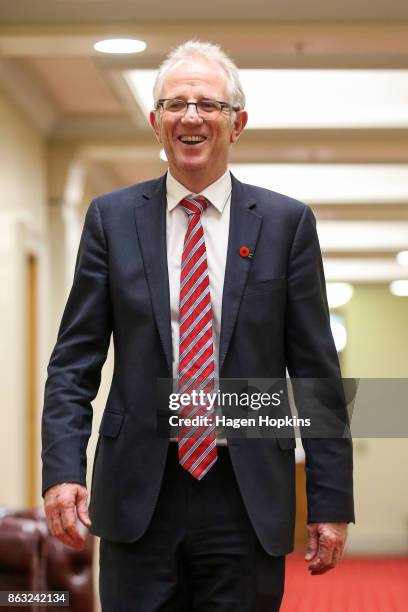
(240, 121)
(155, 124)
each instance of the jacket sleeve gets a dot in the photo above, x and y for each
(74, 370)
(313, 366)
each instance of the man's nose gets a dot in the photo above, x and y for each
(191, 115)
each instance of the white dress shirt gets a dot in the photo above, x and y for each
(215, 221)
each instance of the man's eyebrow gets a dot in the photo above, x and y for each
(181, 97)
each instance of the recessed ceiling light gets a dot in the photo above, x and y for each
(163, 155)
(399, 287)
(120, 45)
(402, 258)
(338, 294)
(339, 331)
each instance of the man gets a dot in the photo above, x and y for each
(198, 276)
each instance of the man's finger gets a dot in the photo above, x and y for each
(336, 557)
(312, 542)
(68, 514)
(82, 508)
(325, 551)
(56, 524)
(322, 567)
(65, 538)
(68, 519)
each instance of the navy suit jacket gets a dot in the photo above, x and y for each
(274, 316)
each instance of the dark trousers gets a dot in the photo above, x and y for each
(199, 554)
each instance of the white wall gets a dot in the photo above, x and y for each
(23, 230)
(377, 326)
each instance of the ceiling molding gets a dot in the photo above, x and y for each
(368, 235)
(95, 128)
(122, 90)
(322, 146)
(146, 148)
(19, 84)
(102, 176)
(387, 211)
(389, 256)
(252, 44)
(363, 270)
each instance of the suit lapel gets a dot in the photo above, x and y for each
(150, 214)
(244, 229)
(245, 224)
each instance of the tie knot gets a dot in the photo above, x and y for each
(194, 206)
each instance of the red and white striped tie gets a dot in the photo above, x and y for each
(196, 444)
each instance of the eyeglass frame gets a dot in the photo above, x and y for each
(230, 107)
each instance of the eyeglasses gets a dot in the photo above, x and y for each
(206, 108)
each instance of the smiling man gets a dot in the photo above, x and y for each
(198, 277)
(197, 138)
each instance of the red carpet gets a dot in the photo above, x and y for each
(359, 584)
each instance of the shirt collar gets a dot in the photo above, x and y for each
(217, 193)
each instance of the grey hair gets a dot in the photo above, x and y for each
(209, 51)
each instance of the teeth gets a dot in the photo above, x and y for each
(192, 138)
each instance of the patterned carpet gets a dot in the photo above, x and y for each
(359, 584)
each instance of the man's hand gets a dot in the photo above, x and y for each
(63, 504)
(325, 546)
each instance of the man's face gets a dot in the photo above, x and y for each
(193, 80)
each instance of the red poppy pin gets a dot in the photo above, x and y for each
(245, 252)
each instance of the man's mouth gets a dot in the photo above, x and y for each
(192, 140)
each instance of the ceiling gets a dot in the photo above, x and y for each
(81, 101)
(61, 12)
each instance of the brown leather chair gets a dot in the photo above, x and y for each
(31, 557)
(21, 565)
